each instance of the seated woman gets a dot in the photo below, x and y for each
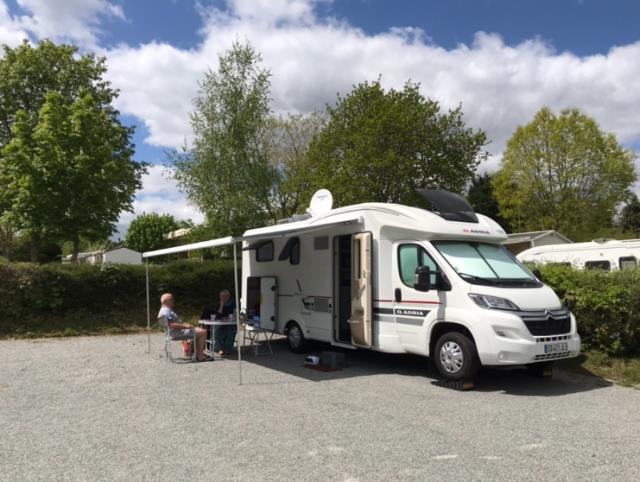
(224, 336)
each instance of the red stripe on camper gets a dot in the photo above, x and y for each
(415, 302)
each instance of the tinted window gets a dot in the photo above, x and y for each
(264, 252)
(294, 258)
(410, 257)
(291, 251)
(627, 262)
(605, 265)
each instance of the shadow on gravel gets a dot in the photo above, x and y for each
(515, 381)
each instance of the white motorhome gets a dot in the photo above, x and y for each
(400, 279)
(605, 254)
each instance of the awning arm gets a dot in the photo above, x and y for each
(212, 243)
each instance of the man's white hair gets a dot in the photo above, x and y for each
(225, 292)
(165, 297)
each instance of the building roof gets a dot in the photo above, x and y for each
(515, 238)
(178, 233)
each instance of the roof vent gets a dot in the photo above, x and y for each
(449, 205)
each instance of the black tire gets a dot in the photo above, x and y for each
(541, 370)
(455, 357)
(295, 338)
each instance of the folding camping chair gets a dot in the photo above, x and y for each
(177, 335)
(252, 333)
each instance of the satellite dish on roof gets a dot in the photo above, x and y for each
(321, 203)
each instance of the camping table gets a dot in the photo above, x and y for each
(208, 347)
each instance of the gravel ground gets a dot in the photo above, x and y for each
(101, 408)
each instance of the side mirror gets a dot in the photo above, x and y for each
(423, 278)
(538, 274)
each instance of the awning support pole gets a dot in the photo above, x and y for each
(235, 279)
(148, 308)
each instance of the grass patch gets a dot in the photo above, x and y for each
(622, 370)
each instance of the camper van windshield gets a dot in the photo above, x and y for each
(484, 263)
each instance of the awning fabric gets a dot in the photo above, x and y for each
(261, 233)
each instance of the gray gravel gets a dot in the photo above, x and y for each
(101, 408)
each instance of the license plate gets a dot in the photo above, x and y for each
(556, 347)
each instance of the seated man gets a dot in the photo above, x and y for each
(224, 336)
(169, 318)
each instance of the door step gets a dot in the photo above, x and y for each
(342, 345)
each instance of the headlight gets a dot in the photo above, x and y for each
(493, 302)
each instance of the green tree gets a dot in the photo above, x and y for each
(382, 145)
(630, 216)
(61, 144)
(227, 173)
(78, 168)
(147, 231)
(288, 140)
(562, 172)
(483, 200)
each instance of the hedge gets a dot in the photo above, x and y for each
(58, 298)
(71, 299)
(606, 306)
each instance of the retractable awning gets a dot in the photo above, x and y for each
(267, 232)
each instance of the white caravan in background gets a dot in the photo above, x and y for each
(400, 279)
(606, 254)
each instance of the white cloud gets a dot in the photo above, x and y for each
(61, 20)
(159, 194)
(311, 59)
(11, 31)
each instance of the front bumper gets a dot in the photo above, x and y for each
(511, 343)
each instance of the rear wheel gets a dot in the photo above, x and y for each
(455, 357)
(295, 338)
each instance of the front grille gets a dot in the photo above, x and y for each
(547, 323)
(548, 339)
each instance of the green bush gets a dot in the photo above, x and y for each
(57, 298)
(606, 305)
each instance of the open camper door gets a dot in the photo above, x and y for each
(361, 319)
(268, 298)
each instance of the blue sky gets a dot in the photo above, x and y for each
(501, 59)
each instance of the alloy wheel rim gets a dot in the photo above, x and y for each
(451, 357)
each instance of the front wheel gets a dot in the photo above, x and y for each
(455, 357)
(296, 339)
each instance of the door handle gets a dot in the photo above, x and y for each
(398, 295)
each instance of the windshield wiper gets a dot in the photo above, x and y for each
(477, 278)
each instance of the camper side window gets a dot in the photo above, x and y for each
(291, 251)
(264, 252)
(600, 264)
(627, 262)
(410, 257)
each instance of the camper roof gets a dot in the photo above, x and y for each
(389, 220)
(587, 246)
(388, 217)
